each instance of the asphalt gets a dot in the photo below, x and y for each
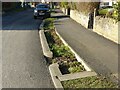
(98, 52)
(23, 63)
(0, 59)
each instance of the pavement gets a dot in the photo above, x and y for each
(23, 62)
(98, 52)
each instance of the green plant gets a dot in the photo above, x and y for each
(84, 7)
(67, 52)
(48, 23)
(64, 4)
(103, 11)
(54, 61)
(56, 50)
(75, 67)
(61, 51)
(89, 82)
(62, 54)
(116, 13)
(111, 12)
(72, 5)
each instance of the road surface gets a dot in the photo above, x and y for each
(100, 53)
(23, 63)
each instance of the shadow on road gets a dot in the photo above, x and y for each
(61, 16)
(21, 21)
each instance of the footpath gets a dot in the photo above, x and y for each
(101, 54)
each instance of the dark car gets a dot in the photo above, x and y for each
(42, 10)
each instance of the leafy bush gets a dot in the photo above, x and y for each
(85, 7)
(64, 4)
(72, 5)
(57, 50)
(111, 12)
(62, 54)
(89, 82)
(75, 67)
(104, 11)
(49, 23)
(116, 13)
(61, 51)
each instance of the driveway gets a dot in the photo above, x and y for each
(98, 52)
(23, 63)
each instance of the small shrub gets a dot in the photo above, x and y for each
(89, 82)
(62, 54)
(57, 51)
(75, 67)
(49, 23)
(61, 51)
(64, 4)
(54, 61)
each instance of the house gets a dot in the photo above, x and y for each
(45, 1)
(104, 3)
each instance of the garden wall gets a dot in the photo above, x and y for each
(64, 11)
(107, 27)
(79, 17)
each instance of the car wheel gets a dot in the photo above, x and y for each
(35, 17)
(49, 16)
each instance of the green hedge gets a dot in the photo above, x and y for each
(85, 7)
(6, 6)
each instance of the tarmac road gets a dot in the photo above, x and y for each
(101, 54)
(23, 63)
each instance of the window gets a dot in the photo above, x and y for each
(106, 3)
(42, 6)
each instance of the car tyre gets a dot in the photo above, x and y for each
(35, 17)
(48, 16)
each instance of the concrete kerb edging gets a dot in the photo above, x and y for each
(76, 75)
(86, 66)
(41, 25)
(57, 76)
(55, 72)
(45, 47)
(54, 68)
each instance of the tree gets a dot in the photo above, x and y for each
(85, 7)
(64, 4)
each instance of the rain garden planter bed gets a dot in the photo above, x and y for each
(68, 63)
(61, 53)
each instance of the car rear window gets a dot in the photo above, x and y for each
(42, 6)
